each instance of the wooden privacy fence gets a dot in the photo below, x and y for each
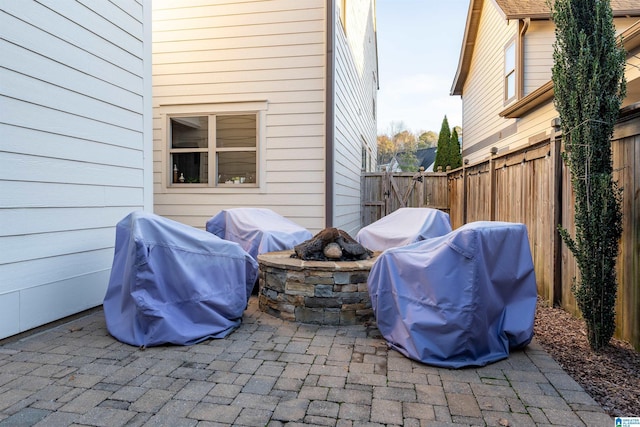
(384, 192)
(533, 186)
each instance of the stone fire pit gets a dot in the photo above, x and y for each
(322, 280)
(321, 292)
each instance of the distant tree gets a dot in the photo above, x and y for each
(444, 143)
(408, 161)
(427, 139)
(589, 86)
(396, 127)
(406, 145)
(454, 150)
(386, 149)
(405, 141)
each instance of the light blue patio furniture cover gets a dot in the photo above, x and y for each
(174, 284)
(459, 300)
(404, 226)
(257, 230)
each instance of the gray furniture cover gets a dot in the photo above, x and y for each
(174, 284)
(257, 230)
(459, 300)
(404, 226)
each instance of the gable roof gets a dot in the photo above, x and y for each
(426, 157)
(515, 9)
(538, 9)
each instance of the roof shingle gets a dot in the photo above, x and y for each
(515, 9)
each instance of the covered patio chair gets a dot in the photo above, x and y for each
(257, 230)
(464, 299)
(404, 226)
(174, 284)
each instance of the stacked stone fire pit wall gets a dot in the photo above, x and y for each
(320, 292)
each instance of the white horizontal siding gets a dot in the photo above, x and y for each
(40, 143)
(72, 96)
(18, 194)
(18, 30)
(355, 124)
(22, 276)
(232, 52)
(27, 221)
(43, 304)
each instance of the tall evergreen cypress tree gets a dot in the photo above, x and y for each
(454, 150)
(442, 151)
(589, 85)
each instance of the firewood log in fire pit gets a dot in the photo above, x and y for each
(314, 248)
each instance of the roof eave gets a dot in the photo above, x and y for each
(468, 43)
(536, 98)
(620, 13)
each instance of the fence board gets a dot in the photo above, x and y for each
(457, 189)
(478, 196)
(533, 186)
(626, 164)
(385, 192)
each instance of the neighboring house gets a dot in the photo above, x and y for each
(392, 166)
(75, 149)
(264, 104)
(504, 73)
(426, 158)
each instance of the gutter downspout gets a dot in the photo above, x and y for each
(524, 26)
(329, 113)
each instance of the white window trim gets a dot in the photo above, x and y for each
(513, 71)
(249, 107)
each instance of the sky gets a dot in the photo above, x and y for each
(419, 45)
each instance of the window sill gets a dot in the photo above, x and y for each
(205, 189)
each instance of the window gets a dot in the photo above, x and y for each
(510, 71)
(213, 150)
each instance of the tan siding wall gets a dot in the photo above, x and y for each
(532, 128)
(216, 52)
(538, 46)
(538, 53)
(483, 91)
(355, 123)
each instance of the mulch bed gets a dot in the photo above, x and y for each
(610, 376)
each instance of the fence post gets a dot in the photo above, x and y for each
(492, 185)
(556, 210)
(465, 189)
(420, 184)
(386, 192)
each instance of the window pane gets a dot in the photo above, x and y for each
(237, 167)
(510, 58)
(189, 132)
(190, 168)
(236, 131)
(511, 85)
